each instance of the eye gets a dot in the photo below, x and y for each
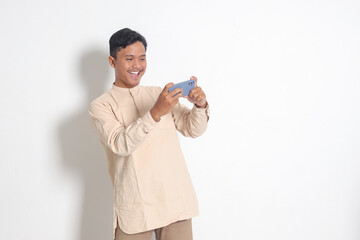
(129, 59)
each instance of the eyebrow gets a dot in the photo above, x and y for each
(129, 55)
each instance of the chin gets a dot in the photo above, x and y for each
(134, 83)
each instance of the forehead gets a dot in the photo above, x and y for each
(136, 49)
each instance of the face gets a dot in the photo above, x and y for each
(129, 65)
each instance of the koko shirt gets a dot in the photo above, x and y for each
(152, 186)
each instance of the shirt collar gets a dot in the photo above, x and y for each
(122, 90)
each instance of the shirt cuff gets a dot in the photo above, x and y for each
(148, 122)
(200, 111)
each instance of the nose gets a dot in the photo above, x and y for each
(136, 63)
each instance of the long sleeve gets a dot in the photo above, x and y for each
(122, 141)
(190, 123)
(151, 183)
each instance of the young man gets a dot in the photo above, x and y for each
(137, 128)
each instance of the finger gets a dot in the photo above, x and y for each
(194, 78)
(199, 98)
(175, 98)
(199, 95)
(194, 91)
(196, 96)
(167, 86)
(179, 95)
(177, 91)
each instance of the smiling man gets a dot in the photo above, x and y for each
(129, 64)
(137, 127)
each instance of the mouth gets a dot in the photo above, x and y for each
(135, 74)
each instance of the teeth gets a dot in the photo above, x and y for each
(134, 73)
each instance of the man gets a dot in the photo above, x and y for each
(137, 128)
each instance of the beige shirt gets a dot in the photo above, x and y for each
(152, 186)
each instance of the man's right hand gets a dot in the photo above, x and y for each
(165, 102)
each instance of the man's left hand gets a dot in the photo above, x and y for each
(197, 95)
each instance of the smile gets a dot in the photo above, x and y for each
(134, 73)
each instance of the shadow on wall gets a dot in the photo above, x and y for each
(84, 155)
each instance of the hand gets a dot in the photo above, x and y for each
(197, 95)
(165, 102)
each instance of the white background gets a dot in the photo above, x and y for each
(280, 159)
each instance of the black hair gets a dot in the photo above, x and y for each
(123, 38)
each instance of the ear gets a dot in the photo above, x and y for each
(112, 61)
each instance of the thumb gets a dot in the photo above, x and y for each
(168, 86)
(194, 78)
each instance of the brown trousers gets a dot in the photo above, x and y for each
(181, 230)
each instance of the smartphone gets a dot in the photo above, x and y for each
(186, 87)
